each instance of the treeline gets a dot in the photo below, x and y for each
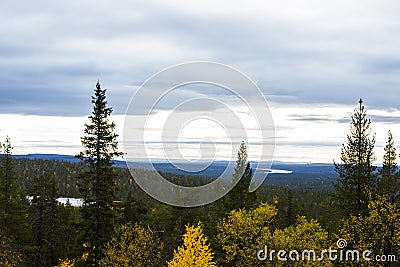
(120, 225)
(66, 173)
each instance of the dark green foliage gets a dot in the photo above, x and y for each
(68, 219)
(357, 178)
(291, 209)
(13, 201)
(54, 225)
(389, 183)
(44, 221)
(240, 197)
(292, 202)
(98, 183)
(64, 172)
(134, 209)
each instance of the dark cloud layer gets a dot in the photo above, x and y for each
(52, 53)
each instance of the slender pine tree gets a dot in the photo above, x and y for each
(98, 184)
(357, 177)
(291, 210)
(240, 197)
(389, 182)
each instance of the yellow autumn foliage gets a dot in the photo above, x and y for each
(66, 263)
(132, 245)
(8, 256)
(378, 232)
(244, 233)
(305, 236)
(195, 251)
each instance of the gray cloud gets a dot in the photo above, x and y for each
(383, 65)
(319, 118)
(303, 143)
(52, 54)
(344, 119)
(385, 119)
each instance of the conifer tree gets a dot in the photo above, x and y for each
(291, 212)
(13, 201)
(240, 197)
(357, 176)
(98, 184)
(389, 176)
(44, 220)
(134, 209)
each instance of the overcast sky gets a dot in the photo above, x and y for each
(312, 60)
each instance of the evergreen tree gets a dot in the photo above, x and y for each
(13, 201)
(67, 222)
(291, 210)
(44, 220)
(240, 197)
(98, 184)
(389, 176)
(357, 176)
(134, 209)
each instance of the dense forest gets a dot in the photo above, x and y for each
(120, 225)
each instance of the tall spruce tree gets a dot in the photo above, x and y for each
(357, 177)
(98, 184)
(13, 201)
(389, 182)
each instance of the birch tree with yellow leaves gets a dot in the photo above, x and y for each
(195, 251)
(243, 233)
(379, 232)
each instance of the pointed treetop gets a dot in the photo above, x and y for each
(361, 101)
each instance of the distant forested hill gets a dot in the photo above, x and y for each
(66, 168)
(66, 172)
